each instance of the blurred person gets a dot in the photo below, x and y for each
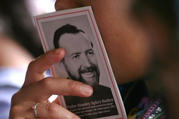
(13, 62)
(19, 44)
(134, 42)
(161, 24)
(13, 65)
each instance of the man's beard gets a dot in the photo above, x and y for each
(92, 68)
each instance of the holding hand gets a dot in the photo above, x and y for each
(31, 101)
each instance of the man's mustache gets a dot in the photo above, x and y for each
(88, 69)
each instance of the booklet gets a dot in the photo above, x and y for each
(85, 60)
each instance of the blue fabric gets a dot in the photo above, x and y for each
(4, 108)
(10, 82)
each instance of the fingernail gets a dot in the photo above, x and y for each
(60, 51)
(86, 90)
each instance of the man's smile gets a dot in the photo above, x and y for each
(89, 74)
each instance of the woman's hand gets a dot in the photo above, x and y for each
(38, 89)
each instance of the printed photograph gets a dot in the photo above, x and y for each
(85, 60)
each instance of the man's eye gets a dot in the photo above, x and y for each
(75, 56)
(91, 52)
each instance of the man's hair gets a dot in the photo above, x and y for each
(62, 30)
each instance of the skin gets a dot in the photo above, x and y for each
(78, 60)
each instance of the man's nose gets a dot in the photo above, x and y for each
(85, 61)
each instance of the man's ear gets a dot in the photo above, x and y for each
(91, 44)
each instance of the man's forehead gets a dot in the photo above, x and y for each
(75, 42)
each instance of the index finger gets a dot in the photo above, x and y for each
(43, 89)
(37, 67)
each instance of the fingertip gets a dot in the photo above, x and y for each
(86, 90)
(60, 52)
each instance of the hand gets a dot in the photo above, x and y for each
(38, 89)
